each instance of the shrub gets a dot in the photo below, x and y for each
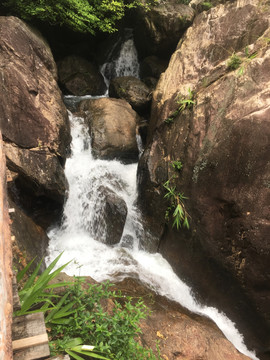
(86, 16)
(79, 318)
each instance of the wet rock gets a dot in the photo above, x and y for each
(29, 240)
(115, 213)
(133, 90)
(159, 30)
(112, 125)
(222, 142)
(77, 76)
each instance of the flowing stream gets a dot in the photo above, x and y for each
(82, 231)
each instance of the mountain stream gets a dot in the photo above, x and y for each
(82, 231)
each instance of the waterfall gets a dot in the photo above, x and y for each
(123, 63)
(82, 231)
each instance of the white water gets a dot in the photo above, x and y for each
(82, 233)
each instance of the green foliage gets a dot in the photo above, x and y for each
(85, 16)
(177, 208)
(36, 291)
(207, 4)
(79, 317)
(184, 103)
(234, 62)
(237, 62)
(177, 165)
(111, 332)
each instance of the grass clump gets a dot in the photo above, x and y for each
(176, 209)
(184, 103)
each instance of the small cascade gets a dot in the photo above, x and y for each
(123, 63)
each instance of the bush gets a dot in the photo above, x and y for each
(79, 323)
(85, 16)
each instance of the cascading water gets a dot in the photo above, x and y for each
(82, 232)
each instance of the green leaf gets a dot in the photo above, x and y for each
(21, 274)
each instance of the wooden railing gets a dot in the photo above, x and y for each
(5, 266)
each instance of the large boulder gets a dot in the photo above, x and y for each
(114, 215)
(133, 90)
(112, 125)
(77, 76)
(158, 30)
(222, 143)
(33, 117)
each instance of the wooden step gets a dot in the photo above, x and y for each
(30, 340)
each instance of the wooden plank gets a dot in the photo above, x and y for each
(30, 326)
(30, 341)
(5, 265)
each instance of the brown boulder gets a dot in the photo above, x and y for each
(114, 217)
(112, 125)
(33, 117)
(77, 76)
(133, 90)
(159, 29)
(29, 240)
(222, 143)
(179, 333)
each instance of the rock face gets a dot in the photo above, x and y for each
(30, 240)
(78, 76)
(112, 125)
(223, 144)
(33, 117)
(158, 30)
(133, 90)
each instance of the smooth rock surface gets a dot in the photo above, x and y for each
(112, 124)
(133, 90)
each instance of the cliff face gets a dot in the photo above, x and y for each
(222, 139)
(35, 128)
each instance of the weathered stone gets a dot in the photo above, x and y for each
(77, 76)
(29, 240)
(159, 30)
(38, 171)
(222, 143)
(113, 128)
(133, 90)
(33, 117)
(115, 213)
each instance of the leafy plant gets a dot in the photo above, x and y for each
(184, 103)
(85, 16)
(177, 165)
(111, 332)
(79, 312)
(34, 295)
(234, 62)
(177, 207)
